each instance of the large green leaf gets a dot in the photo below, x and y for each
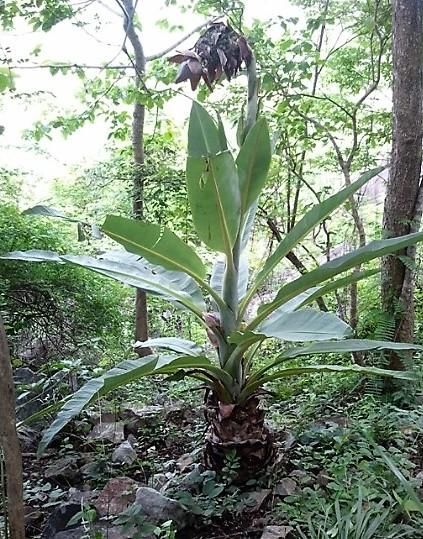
(310, 295)
(83, 228)
(304, 325)
(47, 211)
(311, 219)
(347, 346)
(213, 191)
(375, 249)
(253, 163)
(33, 255)
(256, 382)
(126, 372)
(156, 243)
(181, 346)
(332, 347)
(374, 371)
(319, 291)
(127, 268)
(204, 139)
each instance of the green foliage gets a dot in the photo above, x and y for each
(235, 380)
(41, 14)
(347, 489)
(52, 302)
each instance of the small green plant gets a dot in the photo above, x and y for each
(231, 467)
(360, 521)
(134, 520)
(86, 517)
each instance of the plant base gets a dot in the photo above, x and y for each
(238, 433)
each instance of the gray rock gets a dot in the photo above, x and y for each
(25, 375)
(159, 509)
(59, 519)
(137, 418)
(322, 479)
(112, 431)
(29, 408)
(185, 462)
(276, 532)
(81, 496)
(159, 481)
(106, 530)
(65, 469)
(286, 487)
(193, 480)
(254, 500)
(125, 453)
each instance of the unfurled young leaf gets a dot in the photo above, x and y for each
(253, 163)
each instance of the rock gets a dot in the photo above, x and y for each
(302, 477)
(33, 519)
(96, 530)
(185, 462)
(64, 469)
(137, 418)
(124, 454)
(322, 479)
(159, 509)
(81, 496)
(289, 440)
(132, 440)
(112, 431)
(193, 480)
(59, 519)
(158, 481)
(286, 487)
(25, 375)
(169, 466)
(27, 405)
(276, 532)
(419, 479)
(117, 495)
(255, 500)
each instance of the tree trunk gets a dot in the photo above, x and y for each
(402, 211)
(9, 442)
(141, 317)
(238, 432)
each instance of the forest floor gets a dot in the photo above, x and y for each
(342, 455)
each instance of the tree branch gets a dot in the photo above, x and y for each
(184, 38)
(291, 256)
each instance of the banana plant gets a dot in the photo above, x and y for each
(223, 194)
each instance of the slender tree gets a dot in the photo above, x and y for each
(9, 442)
(139, 62)
(403, 203)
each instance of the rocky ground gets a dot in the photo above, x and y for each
(132, 471)
(107, 466)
